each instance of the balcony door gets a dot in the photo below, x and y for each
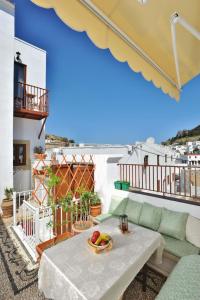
(19, 81)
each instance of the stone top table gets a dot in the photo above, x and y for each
(71, 271)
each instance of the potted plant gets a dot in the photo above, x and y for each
(95, 205)
(39, 153)
(7, 205)
(82, 217)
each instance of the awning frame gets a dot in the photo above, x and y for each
(176, 19)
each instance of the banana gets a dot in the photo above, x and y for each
(105, 236)
(98, 241)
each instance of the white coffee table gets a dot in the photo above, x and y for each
(70, 270)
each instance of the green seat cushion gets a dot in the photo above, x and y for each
(150, 216)
(117, 206)
(179, 248)
(183, 283)
(173, 224)
(103, 217)
(133, 210)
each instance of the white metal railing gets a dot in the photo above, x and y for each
(34, 224)
(45, 223)
(30, 224)
(26, 221)
(18, 199)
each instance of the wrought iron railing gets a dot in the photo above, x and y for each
(31, 98)
(171, 180)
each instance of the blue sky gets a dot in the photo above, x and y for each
(93, 97)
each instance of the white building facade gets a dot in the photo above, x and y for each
(150, 153)
(23, 103)
(193, 159)
(194, 145)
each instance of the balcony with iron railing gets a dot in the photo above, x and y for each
(173, 181)
(30, 101)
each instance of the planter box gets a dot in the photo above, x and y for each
(41, 156)
(52, 242)
(125, 185)
(118, 185)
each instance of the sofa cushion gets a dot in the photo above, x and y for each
(173, 224)
(133, 210)
(193, 231)
(117, 206)
(183, 283)
(102, 217)
(179, 248)
(150, 216)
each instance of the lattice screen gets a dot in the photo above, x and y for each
(75, 172)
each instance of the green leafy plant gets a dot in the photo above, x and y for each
(53, 179)
(86, 196)
(8, 192)
(94, 200)
(66, 202)
(38, 150)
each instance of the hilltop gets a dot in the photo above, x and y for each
(183, 136)
(52, 140)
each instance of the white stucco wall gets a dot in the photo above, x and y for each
(6, 95)
(27, 129)
(105, 174)
(35, 59)
(194, 210)
(152, 150)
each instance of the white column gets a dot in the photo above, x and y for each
(14, 209)
(6, 95)
(37, 226)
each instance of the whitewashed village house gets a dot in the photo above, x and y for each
(150, 153)
(23, 103)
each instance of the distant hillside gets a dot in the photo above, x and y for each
(184, 136)
(52, 140)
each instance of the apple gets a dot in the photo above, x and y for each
(95, 236)
(103, 243)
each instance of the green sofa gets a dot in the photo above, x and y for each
(184, 281)
(181, 232)
(171, 225)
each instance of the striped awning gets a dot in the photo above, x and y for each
(160, 39)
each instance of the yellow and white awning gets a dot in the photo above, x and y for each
(160, 39)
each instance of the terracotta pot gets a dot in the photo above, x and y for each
(7, 208)
(40, 156)
(95, 210)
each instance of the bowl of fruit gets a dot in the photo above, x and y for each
(100, 241)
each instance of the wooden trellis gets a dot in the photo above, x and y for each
(75, 172)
